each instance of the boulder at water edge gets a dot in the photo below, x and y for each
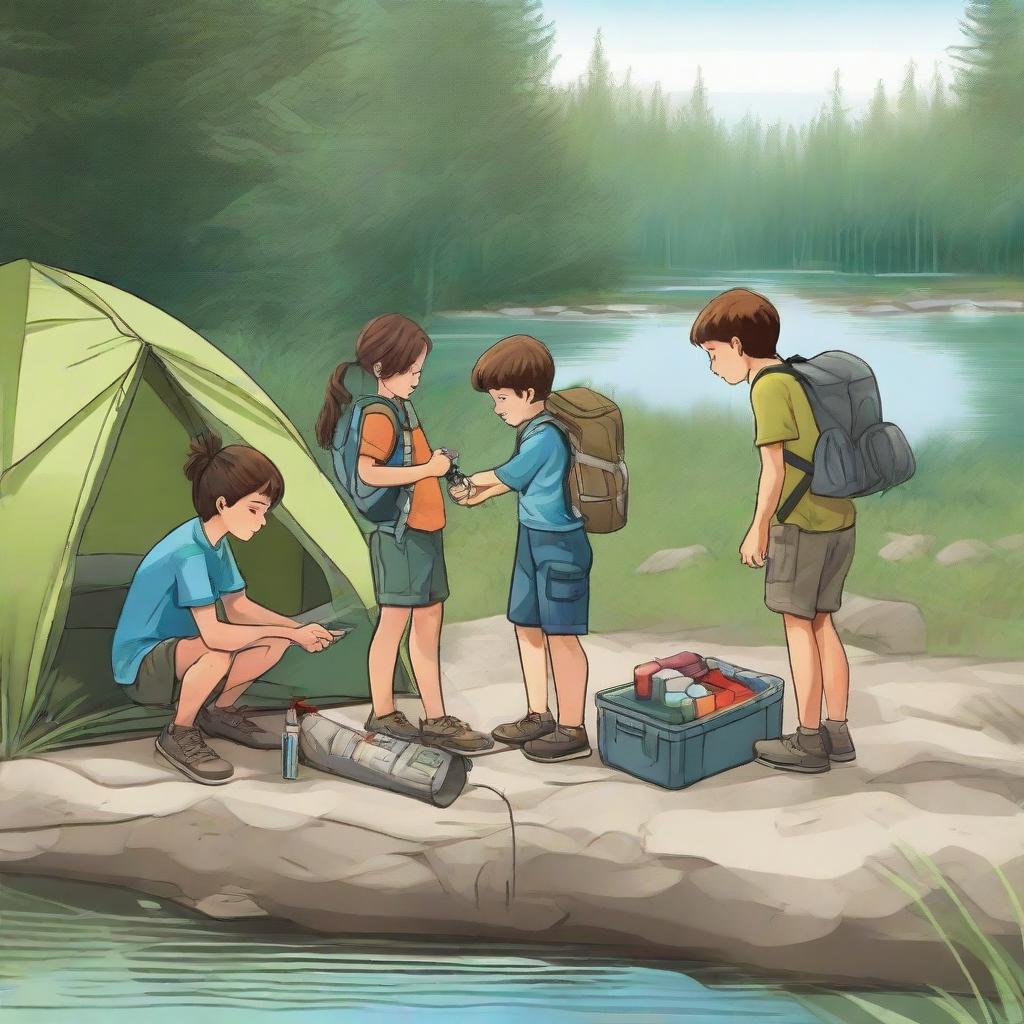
(671, 558)
(963, 551)
(887, 627)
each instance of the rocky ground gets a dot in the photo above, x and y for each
(749, 867)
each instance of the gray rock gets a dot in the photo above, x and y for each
(998, 305)
(552, 309)
(963, 551)
(904, 547)
(749, 866)
(936, 305)
(1014, 542)
(888, 627)
(878, 309)
(522, 311)
(671, 558)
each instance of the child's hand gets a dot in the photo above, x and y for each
(439, 463)
(754, 549)
(461, 493)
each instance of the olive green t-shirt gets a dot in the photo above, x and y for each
(782, 413)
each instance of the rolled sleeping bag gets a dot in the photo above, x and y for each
(426, 773)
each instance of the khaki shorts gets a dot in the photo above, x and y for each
(805, 571)
(156, 684)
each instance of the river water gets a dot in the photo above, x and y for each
(955, 374)
(82, 954)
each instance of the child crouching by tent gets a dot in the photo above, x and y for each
(171, 647)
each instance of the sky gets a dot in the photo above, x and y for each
(771, 56)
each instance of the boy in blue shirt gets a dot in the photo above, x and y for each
(550, 592)
(170, 647)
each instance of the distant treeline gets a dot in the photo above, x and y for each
(339, 157)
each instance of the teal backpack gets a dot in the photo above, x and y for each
(388, 507)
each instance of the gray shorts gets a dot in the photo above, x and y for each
(805, 571)
(156, 684)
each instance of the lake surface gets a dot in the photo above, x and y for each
(954, 374)
(82, 954)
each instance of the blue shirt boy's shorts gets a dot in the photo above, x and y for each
(551, 576)
(551, 581)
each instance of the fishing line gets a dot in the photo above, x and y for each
(512, 825)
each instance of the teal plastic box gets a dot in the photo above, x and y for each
(651, 741)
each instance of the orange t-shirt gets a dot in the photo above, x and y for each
(378, 440)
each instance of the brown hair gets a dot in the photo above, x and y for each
(392, 340)
(520, 363)
(229, 473)
(739, 313)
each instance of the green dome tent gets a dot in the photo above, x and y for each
(99, 394)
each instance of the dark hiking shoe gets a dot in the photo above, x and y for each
(563, 743)
(798, 752)
(395, 725)
(452, 734)
(531, 726)
(838, 744)
(185, 749)
(234, 724)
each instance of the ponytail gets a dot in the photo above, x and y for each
(336, 398)
(201, 451)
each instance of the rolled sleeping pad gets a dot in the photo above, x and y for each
(425, 773)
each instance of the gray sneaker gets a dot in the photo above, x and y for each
(234, 724)
(395, 725)
(563, 743)
(838, 744)
(531, 726)
(452, 734)
(797, 752)
(184, 748)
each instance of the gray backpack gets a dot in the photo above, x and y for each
(858, 453)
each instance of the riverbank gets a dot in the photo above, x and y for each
(751, 867)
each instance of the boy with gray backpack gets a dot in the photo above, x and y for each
(822, 441)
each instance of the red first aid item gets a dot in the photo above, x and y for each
(738, 690)
(690, 664)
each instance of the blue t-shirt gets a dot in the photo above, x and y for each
(538, 472)
(183, 571)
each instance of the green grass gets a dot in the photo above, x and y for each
(993, 973)
(693, 478)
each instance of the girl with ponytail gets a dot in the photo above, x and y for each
(388, 470)
(170, 646)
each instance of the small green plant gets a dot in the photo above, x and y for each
(961, 934)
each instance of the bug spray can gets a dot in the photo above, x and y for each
(290, 745)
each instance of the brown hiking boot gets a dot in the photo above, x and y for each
(799, 752)
(452, 734)
(395, 725)
(234, 724)
(838, 744)
(563, 743)
(184, 748)
(531, 726)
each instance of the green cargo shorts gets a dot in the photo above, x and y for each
(805, 571)
(410, 573)
(156, 684)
